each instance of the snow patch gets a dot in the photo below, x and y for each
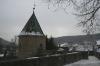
(98, 42)
(32, 57)
(92, 61)
(60, 49)
(64, 45)
(1, 55)
(30, 33)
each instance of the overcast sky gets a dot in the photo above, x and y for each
(15, 13)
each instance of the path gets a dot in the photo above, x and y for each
(92, 61)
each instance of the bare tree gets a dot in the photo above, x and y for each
(86, 10)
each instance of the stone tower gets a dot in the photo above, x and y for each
(31, 38)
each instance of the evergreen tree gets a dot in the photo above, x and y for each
(50, 45)
(1, 48)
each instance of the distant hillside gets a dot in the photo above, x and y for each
(77, 38)
(4, 42)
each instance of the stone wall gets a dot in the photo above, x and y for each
(52, 60)
(97, 54)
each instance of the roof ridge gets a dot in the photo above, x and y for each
(32, 26)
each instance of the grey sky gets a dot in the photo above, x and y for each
(15, 13)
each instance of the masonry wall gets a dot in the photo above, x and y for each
(51, 60)
(29, 45)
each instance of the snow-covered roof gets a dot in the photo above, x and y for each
(98, 42)
(60, 49)
(64, 45)
(98, 50)
(75, 45)
(83, 48)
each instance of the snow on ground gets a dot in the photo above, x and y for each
(32, 57)
(92, 61)
(1, 55)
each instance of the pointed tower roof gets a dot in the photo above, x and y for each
(32, 27)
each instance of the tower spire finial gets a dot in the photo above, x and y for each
(34, 5)
(33, 8)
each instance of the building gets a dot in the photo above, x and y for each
(31, 39)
